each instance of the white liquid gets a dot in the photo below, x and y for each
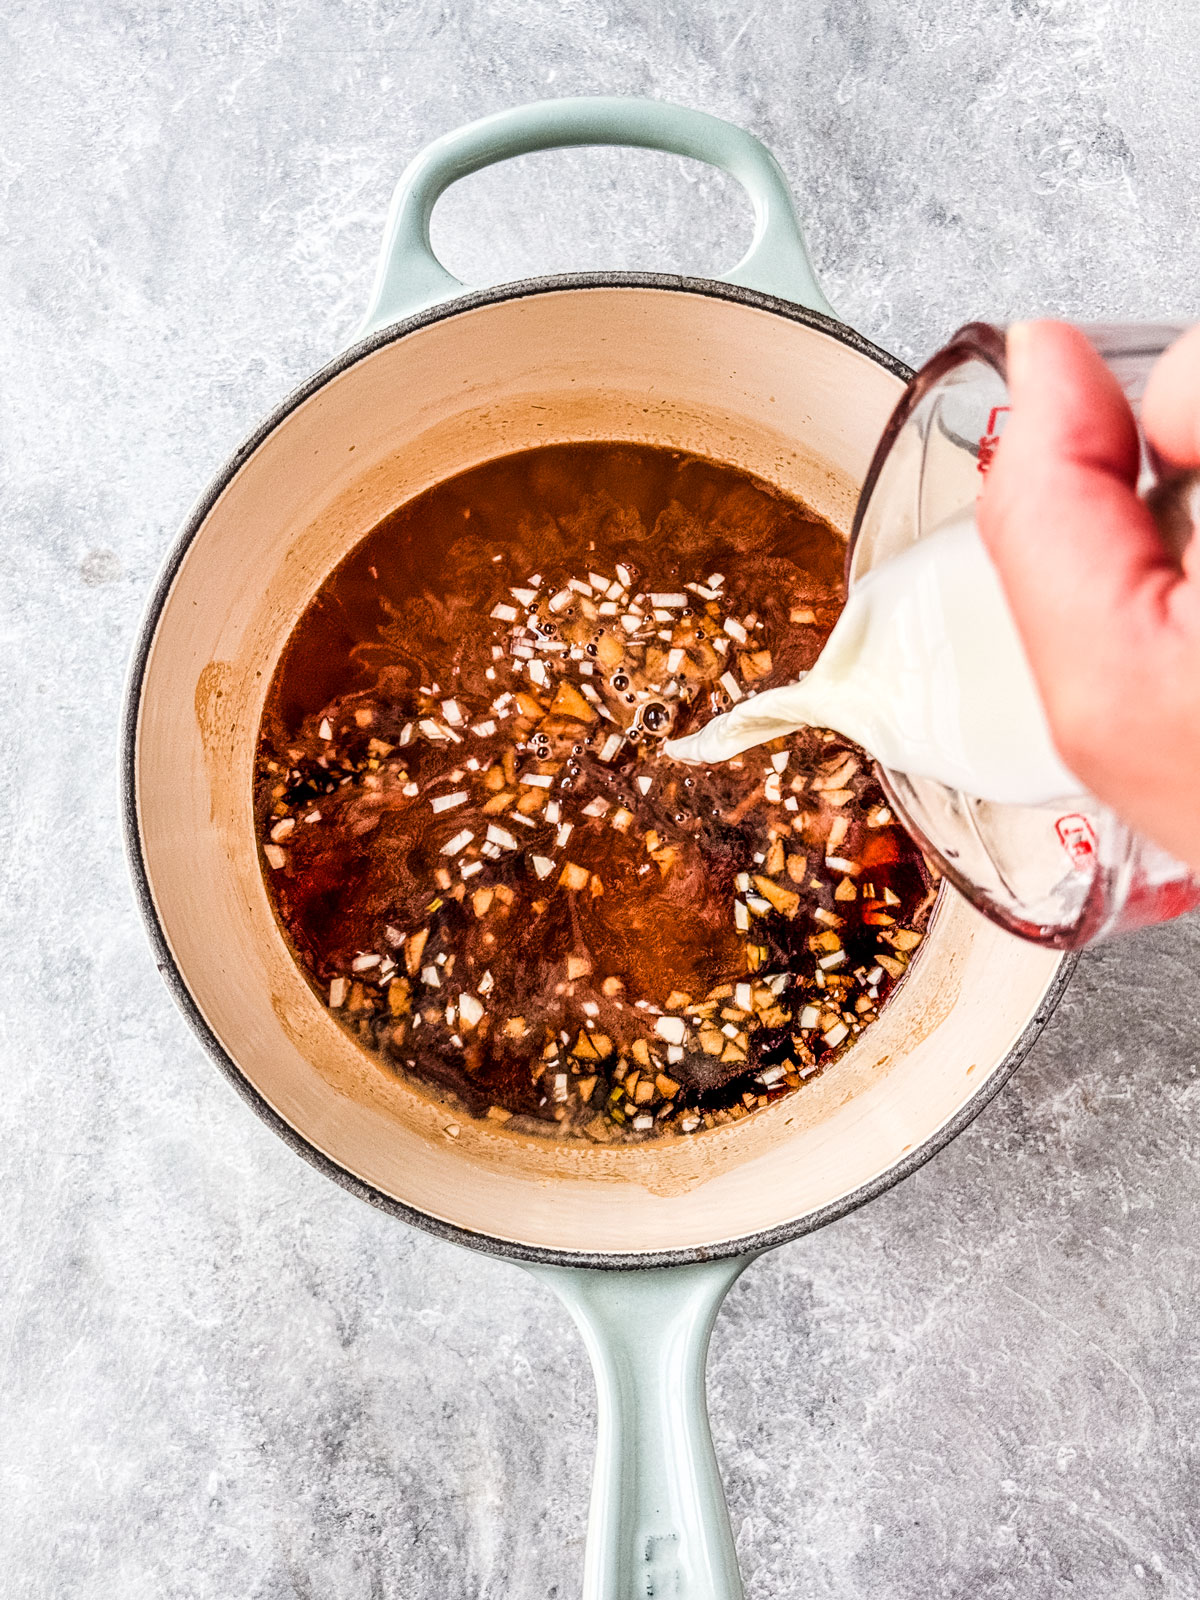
(925, 670)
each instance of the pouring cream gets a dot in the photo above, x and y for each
(924, 669)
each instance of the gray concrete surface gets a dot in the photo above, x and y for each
(222, 1377)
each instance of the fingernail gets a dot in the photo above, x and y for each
(1016, 352)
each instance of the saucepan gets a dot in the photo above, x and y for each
(641, 1243)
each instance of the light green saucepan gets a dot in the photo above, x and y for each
(641, 1245)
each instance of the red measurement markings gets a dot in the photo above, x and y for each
(1078, 839)
(990, 439)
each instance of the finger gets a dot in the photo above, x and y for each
(1075, 548)
(1171, 404)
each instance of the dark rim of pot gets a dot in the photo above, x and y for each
(749, 1244)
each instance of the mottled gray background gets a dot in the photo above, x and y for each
(224, 1378)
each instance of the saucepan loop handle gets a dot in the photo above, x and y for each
(658, 1523)
(410, 277)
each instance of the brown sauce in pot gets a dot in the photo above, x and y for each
(482, 861)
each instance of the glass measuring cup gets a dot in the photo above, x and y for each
(1068, 872)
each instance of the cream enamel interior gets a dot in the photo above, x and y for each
(661, 365)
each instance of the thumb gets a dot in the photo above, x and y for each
(1079, 555)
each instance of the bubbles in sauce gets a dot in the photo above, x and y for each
(482, 859)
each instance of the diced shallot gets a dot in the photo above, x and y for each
(470, 1010)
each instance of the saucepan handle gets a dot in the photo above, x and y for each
(410, 277)
(658, 1523)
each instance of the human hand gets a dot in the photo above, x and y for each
(1109, 615)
